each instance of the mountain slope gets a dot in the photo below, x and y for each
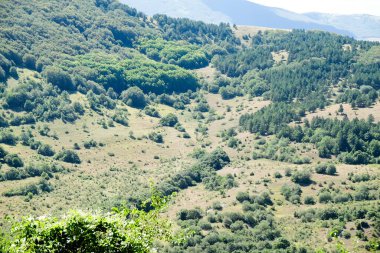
(243, 12)
(240, 12)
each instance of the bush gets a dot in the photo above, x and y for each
(8, 137)
(60, 78)
(217, 206)
(3, 152)
(134, 97)
(90, 144)
(151, 111)
(169, 120)
(156, 137)
(325, 197)
(302, 177)
(29, 61)
(68, 156)
(13, 160)
(290, 190)
(193, 214)
(120, 117)
(242, 196)
(127, 230)
(204, 225)
(45, 150)
(326, 168)
(309, 200)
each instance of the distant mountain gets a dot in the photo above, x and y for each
(244, 12)
(362, 26)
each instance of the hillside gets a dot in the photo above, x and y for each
(264, 140)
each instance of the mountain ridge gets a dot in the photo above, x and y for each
(243, 12)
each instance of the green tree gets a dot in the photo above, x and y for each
(125, 230)
(134, 97)
(169, 120)
(59, 78)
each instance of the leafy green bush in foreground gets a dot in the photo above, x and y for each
(128, 230)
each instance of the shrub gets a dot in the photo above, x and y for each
(290, 190)
(288, 172)
(45, 150)
(3, 152)
(242, 196)
(342, 198)
(156, 137)
(325, 197)
(59, 78)
(120, 117)
(169, 120)
(134, 97)
(302, 177)
(326, 168)
(13, 160)
(217, 206)
(202, 107)
(126, 230)
(193, 214)
(90, 144)
(309, 200)
(277, 174)
(346, 234)
(237, 226)
(204, 225)
(7, 137)
(68, 156)
(151, 111)
(29, 61)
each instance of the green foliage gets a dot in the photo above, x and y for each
(309, 200)
(42, 101)
(127, 230)
(302, 177)
(13, 160)
(156, 137)
(134, 97)
(33, 189)
(151, 111)
(45, 150)
(355, 141)
(121, 117)
(7, 137)
(291, 193)
(59, 78)
(68, 156)
(326, 168)
(204, 170)
(169, 120)
(179, 53)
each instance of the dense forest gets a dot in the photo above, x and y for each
(93, 85)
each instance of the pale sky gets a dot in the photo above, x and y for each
(328, 6)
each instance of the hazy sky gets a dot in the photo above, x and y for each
(328, 6)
